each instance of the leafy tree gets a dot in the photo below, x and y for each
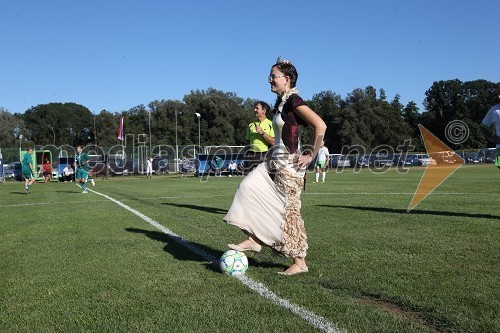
(136, 120)
(107, 128)
(329, 105)
(479, 97)
(219, 111)
(412, 116)
(382, 95)
(163, 120)
(359, 119)
(11, 126)
(451, 100)
(59, 124)
(397, 130)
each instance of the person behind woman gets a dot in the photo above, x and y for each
(323, 157)
(68, 173)
(47, 170)
(267, 203)
(149, 167)
(233, 168)
(260, 134)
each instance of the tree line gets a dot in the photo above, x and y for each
(364, 117)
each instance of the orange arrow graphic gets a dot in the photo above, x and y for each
(441, 164)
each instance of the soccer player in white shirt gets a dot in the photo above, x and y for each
(149, 167)
(323, 155)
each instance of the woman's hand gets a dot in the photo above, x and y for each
(304, 160)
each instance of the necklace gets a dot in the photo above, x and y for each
(285, 97)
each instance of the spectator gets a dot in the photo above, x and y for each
(233, 168)
(260, 135)
(68, 174)
(217, 166)
(47, 170)
(241, 168)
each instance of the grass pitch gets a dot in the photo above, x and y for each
(73, 262)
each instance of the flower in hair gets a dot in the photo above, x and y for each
(280, 61)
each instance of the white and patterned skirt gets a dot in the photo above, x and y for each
(267, 205)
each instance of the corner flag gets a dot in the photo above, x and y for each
(120, 131)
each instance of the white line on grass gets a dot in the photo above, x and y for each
(94, 201)
(224, 195)
(49, 203)
(312, 318)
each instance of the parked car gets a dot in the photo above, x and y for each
(344, 162)
(364, 161)
(409, 160)
(160, 165)
(473, 158)
(13, 171)
(383, 161)
(396, 159)
(425, 160)
(8, 172)
(487, 155)
(189, 165)
(469, 157)
(334, 158)
(446, 157)
(120, 167)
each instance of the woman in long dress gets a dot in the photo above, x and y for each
(267, 203)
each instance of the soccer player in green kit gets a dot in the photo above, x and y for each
(27, 170)
(82, 169)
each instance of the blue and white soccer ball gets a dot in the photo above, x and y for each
(233, 262)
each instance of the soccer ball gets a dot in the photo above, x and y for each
(233, 262)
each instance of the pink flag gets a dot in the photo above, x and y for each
(120, 131)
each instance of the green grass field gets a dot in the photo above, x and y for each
(73, 262)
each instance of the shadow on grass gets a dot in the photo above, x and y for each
(181, 249)
(415, 211)
(212, 210)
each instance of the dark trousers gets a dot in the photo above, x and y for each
(68, 178)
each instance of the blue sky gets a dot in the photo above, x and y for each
(115, 55)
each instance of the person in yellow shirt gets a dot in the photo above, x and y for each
(260, 135)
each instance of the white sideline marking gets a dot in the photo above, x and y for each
(49, 203)
(224, 195)
(312, 318)
(93, 201)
